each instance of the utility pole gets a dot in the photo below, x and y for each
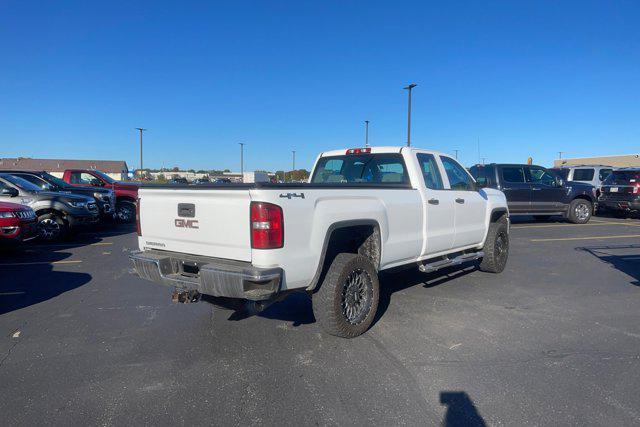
(409, 88)
(293, 152)
(560, 153)
(141, 130)
(366, 133)
(456, 151)
(241, 161)
(483, 159)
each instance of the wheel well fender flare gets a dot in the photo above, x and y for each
(321, 268)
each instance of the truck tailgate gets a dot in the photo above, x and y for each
(203, 222)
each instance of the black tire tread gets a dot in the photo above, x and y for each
(489, 262)
(571, 215)
(326, 303)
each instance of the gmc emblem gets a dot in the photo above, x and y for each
(186, 223)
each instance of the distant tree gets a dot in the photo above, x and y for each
(280, 176)
(175, 169)
(226, 170)
(161, 177)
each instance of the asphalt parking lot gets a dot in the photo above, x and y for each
(555, 339)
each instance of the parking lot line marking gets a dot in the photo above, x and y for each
(41, 262)
(568, 225)
(6, 294)
(626, 236)
(65, 245)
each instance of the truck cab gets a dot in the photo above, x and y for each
(126, 193)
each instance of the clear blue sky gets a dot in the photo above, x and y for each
(528, 79)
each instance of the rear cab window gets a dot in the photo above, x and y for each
(377, 168)
(623, 177)
(483, 174)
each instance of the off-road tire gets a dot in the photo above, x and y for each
(496, 247)
(575, 206)
(45, 227)
(334, 293)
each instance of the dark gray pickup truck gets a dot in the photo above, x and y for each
(57, 212)
(534, 190)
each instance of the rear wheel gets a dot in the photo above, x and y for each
(580, 211)
(347, 301)
(125, 212)
(51, 227)
(496, 247)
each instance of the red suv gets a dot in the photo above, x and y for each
(17, 223)
(126, 192)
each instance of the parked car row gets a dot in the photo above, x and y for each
(82, 198)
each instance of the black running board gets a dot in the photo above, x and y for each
(428, 267)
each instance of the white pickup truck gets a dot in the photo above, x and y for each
(363, 210)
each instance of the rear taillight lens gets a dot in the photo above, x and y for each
(267, 226)
(138, 226)
(636, 188)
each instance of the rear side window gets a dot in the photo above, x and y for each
(513, 174)
(484, 175)
(361, 168)
(604, 174)
(583, 174)
(459, 179)
(430, 171)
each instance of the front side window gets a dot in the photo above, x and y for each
(361, 168)
(42, 184)
(541, 176)
(430, 171)
(459, 179)
(83, 178)
(513, 174)
(583, 174)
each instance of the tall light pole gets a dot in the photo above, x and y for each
(241, 161)
(293, 153)
(141, 167)
(366, 133)
(560, 153)
(409, 88)
(456, 151)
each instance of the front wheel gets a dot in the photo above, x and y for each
(347, 301)
(580, 211)
(496, 247)
(51, 227)
(125, 212)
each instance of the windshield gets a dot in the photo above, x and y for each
(21, 183)
(361, 168)
(623, 178)
(56, 181)
(104, 176)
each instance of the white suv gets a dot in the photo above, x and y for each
(589, 174)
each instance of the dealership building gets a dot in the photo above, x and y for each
(622, 161)
(116, 169)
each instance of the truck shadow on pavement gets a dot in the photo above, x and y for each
(25, 282)
(624, 258)
(460, 410)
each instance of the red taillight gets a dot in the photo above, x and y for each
(636, 188)
(138, 226)
(359, 150)
(267, 226)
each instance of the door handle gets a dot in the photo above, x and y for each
(459, 200)
(536, 189)
(433, 201)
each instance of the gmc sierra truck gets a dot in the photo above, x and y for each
(362, 211)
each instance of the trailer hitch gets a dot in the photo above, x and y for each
(185, 297)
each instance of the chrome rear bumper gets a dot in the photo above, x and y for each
(210, 276)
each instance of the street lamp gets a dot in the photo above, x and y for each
(366, 133)
(293, 153)
(141, 130)
(241, 161)
(409, 88)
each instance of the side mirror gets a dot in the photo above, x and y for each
(10, 191)
(559, 182)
